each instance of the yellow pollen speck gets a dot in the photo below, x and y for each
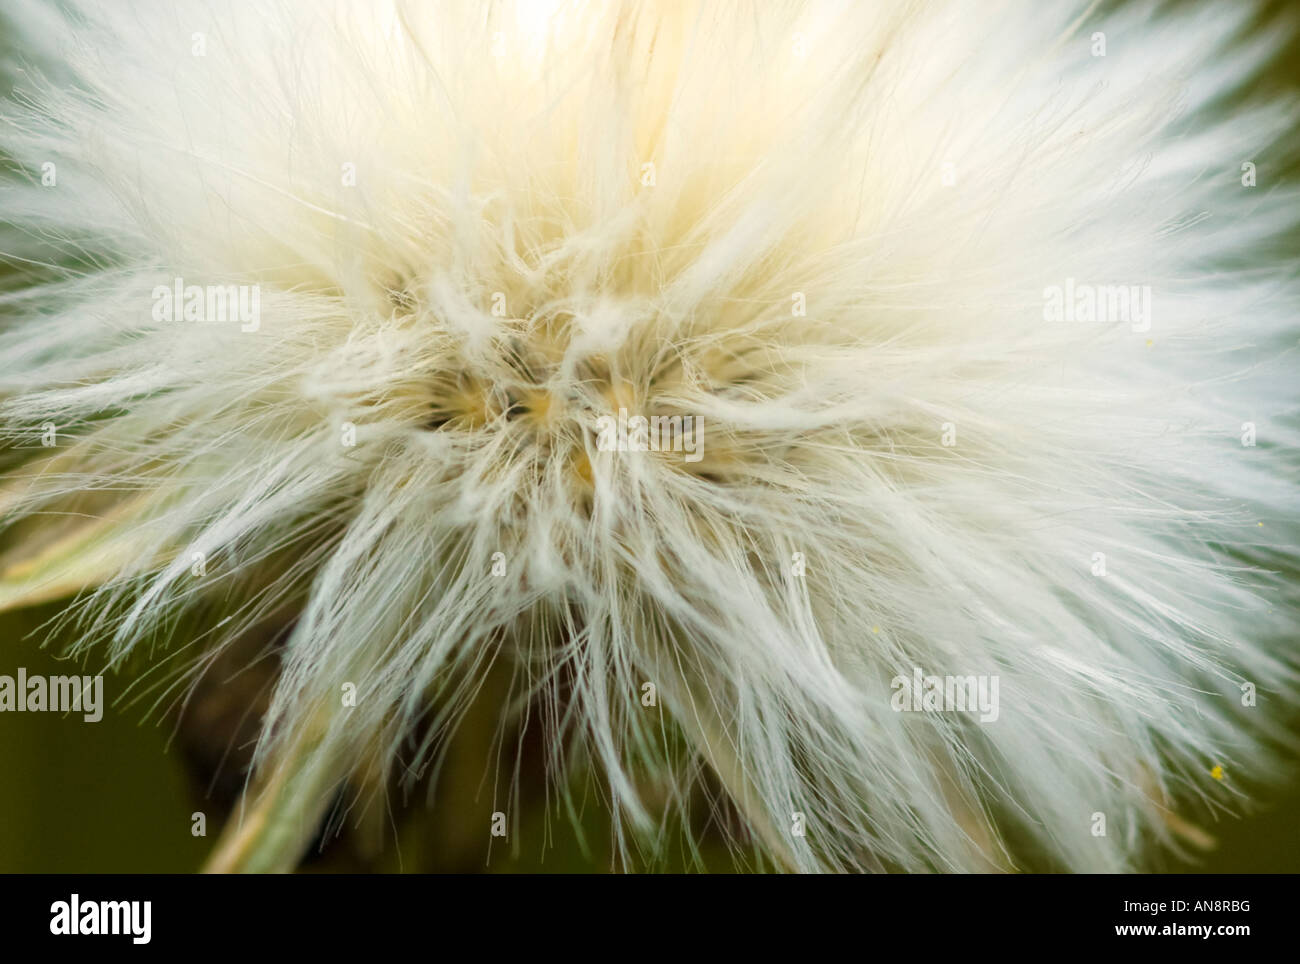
(582, 468)
(539, 405)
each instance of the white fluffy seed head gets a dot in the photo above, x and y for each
(837, 237)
